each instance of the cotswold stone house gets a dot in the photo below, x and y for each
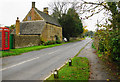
(37, 25)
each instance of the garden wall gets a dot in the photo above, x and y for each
(20, 41)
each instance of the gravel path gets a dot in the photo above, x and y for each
(98, 70)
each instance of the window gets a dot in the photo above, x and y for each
(29, 17)
(6, 39)
(0, 39)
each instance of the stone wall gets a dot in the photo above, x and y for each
(21, 41)
(50, 31)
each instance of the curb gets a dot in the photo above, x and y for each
(57, 69)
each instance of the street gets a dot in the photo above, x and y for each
(37, 65)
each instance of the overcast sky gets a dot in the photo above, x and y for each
(11, 9)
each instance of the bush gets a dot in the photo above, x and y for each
(49, 42)
(52, 42)
(109, 44)
(93, 46)
(58, 42)
(101, 45)
(115, 48)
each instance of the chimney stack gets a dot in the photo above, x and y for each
(17, 26)
(33, 4)
(45, 10)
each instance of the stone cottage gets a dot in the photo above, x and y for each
(39, 24)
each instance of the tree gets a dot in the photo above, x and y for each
(58, 8)
(12, 27)
(89, 33)
(71, 24)
(85, 30)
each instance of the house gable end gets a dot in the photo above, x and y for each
(32, 15)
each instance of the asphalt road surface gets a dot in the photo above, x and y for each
(37, 65)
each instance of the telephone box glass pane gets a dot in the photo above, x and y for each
(0, 39)
(6, 39)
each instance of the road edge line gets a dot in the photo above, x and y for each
(82, 49)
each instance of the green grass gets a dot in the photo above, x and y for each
(78, 71)
(93, 46)
(13, 52)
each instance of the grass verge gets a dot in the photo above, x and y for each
(13, 52)
(78, 71)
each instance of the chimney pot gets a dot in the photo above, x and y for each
(17, 18)
(33, 4)
(45, 10)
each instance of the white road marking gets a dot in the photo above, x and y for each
(54, 51)
(19, 63)
(26, 61)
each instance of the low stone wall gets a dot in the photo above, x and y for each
(21, 41)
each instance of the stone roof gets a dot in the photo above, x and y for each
(31, 27)
(48, 18)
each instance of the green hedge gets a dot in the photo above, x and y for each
(109, 44)
(52, 42)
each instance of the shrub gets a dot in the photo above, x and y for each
(93, 46)
(49, 42)
(115, 48)
(101, 45)
(109, 44)
(58, 42)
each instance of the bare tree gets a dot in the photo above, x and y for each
(58, 8)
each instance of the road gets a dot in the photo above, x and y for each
(37, 65)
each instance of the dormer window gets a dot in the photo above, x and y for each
(29, 17)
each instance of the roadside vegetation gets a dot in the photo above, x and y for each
(114, 66)
(78, 71)
(93, 46)
(107, 35)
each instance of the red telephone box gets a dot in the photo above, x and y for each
(4, 38)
